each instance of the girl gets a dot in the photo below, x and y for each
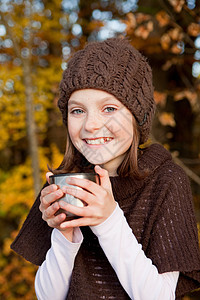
(137, 236)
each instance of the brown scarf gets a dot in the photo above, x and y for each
(160, 212)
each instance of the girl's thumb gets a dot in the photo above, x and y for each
(104, 177)
(47, 176)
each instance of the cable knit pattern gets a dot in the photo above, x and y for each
(117, 68)
(160, 212)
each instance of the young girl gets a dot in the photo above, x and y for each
(136, 238)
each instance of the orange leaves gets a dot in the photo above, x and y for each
(165, 41)
(130, 22)
(143, 31)
(194, 29)
(139, 24)
(176, 49)
(177, 5)
(162, 31)
(167, 119)
(163, 18)
(141, 18)
(170, 40)
(173, 61)
(175, 34)
(160, 98)
(190, 95)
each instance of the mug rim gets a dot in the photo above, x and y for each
(72, 174)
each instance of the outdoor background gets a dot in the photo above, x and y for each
(37, 38)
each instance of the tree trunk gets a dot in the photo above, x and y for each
(31, 127)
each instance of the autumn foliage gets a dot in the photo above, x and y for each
(40, 36)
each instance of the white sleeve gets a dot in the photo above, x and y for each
(53, 276)
(136, 273)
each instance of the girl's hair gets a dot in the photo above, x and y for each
(75, 162)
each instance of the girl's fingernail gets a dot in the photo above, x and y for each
(98, 167)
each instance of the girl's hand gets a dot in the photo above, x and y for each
(99, 200)
(50, 194)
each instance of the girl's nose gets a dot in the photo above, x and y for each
(93, 122)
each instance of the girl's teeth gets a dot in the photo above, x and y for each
(98, 141)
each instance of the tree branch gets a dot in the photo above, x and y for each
(187, 170)
(179, 162)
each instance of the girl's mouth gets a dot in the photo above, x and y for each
(98, 141)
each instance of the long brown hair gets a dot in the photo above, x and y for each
(75, 162)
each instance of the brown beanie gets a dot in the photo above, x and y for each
(118, 68)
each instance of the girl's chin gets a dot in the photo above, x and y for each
(94, 157)
(97, 161)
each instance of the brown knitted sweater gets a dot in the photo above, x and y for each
(160, 212)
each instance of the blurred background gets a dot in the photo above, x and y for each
(37, 38)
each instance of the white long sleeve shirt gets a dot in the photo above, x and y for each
(136, 273)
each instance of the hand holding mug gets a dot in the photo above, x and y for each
(49, 207)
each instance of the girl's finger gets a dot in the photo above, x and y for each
(56, 221)
(76, 223)
(80, 194)
(86, 184)
(76, 210)
(48, 189)
(50, 198)
(50, 211)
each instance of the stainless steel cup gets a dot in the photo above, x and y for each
(60, 180)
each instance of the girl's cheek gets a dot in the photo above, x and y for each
(116, 129)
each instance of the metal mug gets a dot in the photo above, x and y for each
(60, 181)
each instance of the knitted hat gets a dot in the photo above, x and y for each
(118, 68)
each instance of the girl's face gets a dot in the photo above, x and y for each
(100, 127)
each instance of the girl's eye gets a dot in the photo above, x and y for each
(110, 109)
(77, 111)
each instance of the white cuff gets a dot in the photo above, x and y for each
(105, 227)
(57, 236)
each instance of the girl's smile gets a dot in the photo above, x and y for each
(100, 127)
(98, 141)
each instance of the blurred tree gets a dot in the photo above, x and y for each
(25, 56)
(26, 23)
(167, 32)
